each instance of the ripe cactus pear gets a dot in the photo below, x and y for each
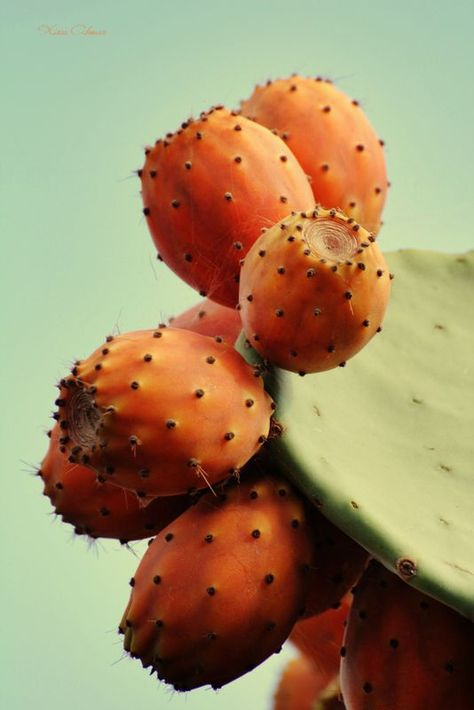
(403, 649)
(313, 291)
(210, 318)
(209, 188)
(301, 688)
(163, 412)
(219, 589)
(340, 563)
(99, 509)
(320, 639)
(331, 137)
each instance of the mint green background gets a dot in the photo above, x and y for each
(77, 262)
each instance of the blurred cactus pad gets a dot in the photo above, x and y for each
(385, 446)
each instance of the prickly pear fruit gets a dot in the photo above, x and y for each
(301, 688)
(320, 639)
(313, 291)
(340, 563)
(209, 188)
(332, 139)
(97, 508)
(163, 412)
(219, 589)
(210, 318)
(403, 649)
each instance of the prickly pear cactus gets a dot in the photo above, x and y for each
(385, 446)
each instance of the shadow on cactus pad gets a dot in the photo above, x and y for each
(385, 446)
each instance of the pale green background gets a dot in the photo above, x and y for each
(77, 261)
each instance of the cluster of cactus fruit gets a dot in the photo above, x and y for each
(271, 213)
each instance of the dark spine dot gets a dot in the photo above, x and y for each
(188, 165)
(279, 312)
(295, 523)
(170, 423)
(367, 687)
(249, 402)
(132, 582)
(134, 385)
(361, 266)
(393, 643)
(343, 652)
(169, 536)
(210, 359)
(148, 357)
(146, 211)
(256, 533)
(348, 295)
(188, 257)
(229, 436)
(208, 538)
(269, 578)
(199, 393)
(175, 204)
(156, 579)
(211, 591)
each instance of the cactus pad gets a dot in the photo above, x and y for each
(385, 446)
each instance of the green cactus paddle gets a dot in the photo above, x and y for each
(385, 446)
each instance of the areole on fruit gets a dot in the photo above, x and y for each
(83, 416)
(330, 239)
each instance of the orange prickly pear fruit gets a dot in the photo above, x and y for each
(209, 188)
(333, 140)
(313, 291)
(97, 508)
(163, 412)
(404, 650)
(219, 589)
(210, 318)
(320, 638)
(302, 688)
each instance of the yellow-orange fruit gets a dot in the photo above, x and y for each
(97, 508)
(209, 188)
(219, 589)
(313, 291)
(320, 638)
(210, 318)
(301, 687)
(163, 412)
(333, 140)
